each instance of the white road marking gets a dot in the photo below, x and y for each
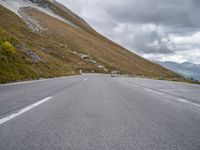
(85, 79)
(20, 112)
(134, 85)
(40, 80)
(165, 94)
(188, 102)
(174, 97)
(153, 91)
(130, 84)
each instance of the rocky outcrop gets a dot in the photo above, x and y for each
(34, 24)
(34, 57)
(41, 3)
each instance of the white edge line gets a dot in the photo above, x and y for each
(188, 102)
(39, 80)
(177, 99)
(160, 93)
(20, 112)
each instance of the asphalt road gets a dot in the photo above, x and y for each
(91, 112)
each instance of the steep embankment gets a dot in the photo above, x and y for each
(50, 40)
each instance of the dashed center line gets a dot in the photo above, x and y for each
(20, 112)
(85, 79)
(153, 91)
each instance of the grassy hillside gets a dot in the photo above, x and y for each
(58, 50)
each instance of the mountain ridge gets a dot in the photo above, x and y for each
(187, 69)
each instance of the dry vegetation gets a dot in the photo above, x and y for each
(56, 48)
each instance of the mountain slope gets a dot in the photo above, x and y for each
(51, 41)
(186, 69)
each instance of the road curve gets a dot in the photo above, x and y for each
(99, 112)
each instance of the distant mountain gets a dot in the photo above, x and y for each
(43, 38)
(187, 69)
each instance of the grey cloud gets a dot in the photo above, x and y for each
(174, 13)
(123, 21)
(142, 41)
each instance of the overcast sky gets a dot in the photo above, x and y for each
(166, 30)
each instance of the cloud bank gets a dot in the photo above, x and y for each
(155, 29)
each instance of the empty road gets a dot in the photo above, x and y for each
(92, 112)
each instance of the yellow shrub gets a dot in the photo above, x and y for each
(8, 48)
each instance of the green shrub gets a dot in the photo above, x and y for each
(7, 48)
